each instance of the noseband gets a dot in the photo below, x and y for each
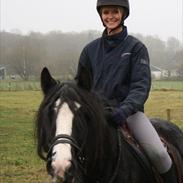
(63, 139)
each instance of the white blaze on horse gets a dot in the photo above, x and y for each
(62, 152)
(61, 161)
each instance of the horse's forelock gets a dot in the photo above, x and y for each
(91, 120)
(89, 117)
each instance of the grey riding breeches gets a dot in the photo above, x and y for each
(148, 138)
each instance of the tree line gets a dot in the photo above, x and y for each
(26, 55)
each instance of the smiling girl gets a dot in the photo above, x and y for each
(119, 66)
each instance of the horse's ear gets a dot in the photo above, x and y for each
(84, 79)
(47, 82)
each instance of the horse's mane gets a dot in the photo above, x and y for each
(91, 114)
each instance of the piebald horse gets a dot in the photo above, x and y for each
(81, 146)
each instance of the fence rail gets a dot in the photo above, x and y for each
(19, 85)
(35, 85)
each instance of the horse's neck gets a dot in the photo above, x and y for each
(111, 140)
(106, 161)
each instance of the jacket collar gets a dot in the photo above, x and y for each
(119, 36)
(112, 41)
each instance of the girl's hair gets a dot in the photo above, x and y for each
(120, 8)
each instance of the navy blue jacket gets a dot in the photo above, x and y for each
(119, 65)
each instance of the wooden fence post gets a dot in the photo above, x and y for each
(9, 86)
(168, 112)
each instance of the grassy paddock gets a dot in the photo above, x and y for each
(19, 162)
(158, 103)
(167, 85)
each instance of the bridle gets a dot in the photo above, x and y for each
(63, 139)
(66, 139)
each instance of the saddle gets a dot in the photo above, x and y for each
(142, 158)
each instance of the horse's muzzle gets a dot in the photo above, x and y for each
(60, 167)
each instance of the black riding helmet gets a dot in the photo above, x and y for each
(122, 3)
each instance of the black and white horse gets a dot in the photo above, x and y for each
(81, 146)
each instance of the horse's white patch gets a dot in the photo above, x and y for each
(77, 105)
(57, 103)
(64, 120)
(62, 158)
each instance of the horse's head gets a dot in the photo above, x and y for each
(70, 118)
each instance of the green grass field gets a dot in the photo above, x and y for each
(167, 85)
(19, 162)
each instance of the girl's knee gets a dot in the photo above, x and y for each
(160, 155)
(159, 158)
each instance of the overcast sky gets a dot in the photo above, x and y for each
(163, 18)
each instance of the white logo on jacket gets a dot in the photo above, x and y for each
(125, 54)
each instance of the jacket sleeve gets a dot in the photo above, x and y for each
(140, 83)
(84, 61)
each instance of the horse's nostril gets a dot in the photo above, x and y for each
(57, 179)
(67, 165)
(60, 167)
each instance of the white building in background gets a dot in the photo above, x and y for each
(175, 73)
(158, 73)
(2, 72)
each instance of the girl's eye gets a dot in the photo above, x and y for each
(105, 12)
(115, 11)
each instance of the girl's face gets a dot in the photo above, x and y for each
(112, 16)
